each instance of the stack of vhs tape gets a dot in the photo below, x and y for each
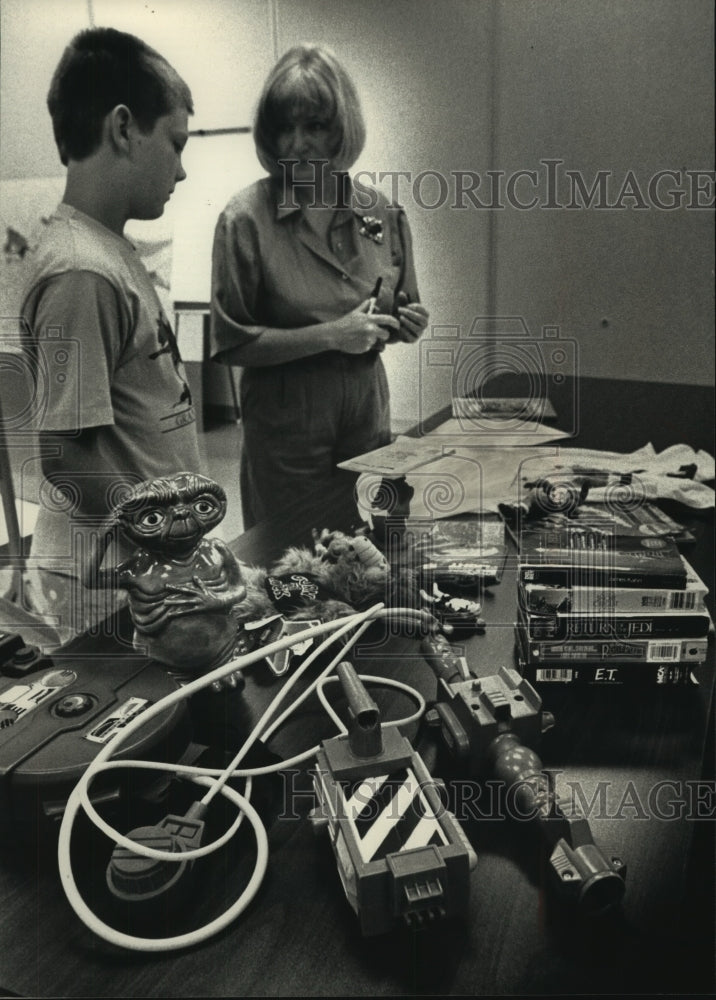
(605, 600)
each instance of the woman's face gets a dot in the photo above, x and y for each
(306, 137)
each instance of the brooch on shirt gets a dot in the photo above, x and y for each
(372, 228)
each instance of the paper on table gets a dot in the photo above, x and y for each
(493, 433)
(677, 473)
(397, 458)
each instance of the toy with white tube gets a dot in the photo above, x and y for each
(149, 862)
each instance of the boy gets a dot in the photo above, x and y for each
(115, 408)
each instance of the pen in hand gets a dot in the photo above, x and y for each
(372, 302)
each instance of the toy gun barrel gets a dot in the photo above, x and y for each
(364, 734)
(596, 879)
(577, 864)
(519, 769)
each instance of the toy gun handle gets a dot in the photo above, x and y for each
(579, 866)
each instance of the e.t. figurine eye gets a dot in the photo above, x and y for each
(151, 519)
(204, 507)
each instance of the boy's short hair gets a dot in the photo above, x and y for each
(100, 69)
(309, 80)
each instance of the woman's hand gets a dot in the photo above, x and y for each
(360, 331)
(413, 318)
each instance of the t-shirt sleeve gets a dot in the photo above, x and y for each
(236, 282)
(78, 328)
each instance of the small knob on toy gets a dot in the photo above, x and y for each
(135, 877)
(73, 704)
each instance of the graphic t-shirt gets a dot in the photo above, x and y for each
(105, 357)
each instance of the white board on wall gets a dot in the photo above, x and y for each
(217, 165)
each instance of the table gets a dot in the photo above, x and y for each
(639, 749)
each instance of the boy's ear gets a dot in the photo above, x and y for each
(119, 122)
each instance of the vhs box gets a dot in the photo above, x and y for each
(616, 651)
(618, 625)
(590, 559)
(542, 598)
(533, 513)
(602, 673)
(462, 551)
(670, 674)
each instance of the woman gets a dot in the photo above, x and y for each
(296, 258)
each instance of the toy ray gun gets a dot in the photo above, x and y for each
(492, 725)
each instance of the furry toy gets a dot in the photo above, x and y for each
(341, 575)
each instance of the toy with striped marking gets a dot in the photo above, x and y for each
(402, 857)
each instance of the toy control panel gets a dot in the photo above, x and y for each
(57, 711)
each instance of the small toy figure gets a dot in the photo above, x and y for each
(182, 587)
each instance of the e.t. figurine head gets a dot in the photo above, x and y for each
(169, 516)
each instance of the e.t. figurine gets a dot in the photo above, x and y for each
(181, 586)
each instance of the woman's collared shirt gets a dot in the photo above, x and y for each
(271, 269)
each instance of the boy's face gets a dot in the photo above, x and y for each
(156, 158)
